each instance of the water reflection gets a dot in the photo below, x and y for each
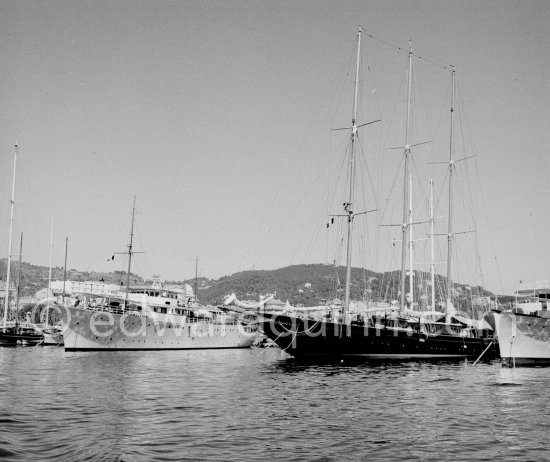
(257, 404)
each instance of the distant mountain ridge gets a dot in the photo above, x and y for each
(307, 285)
(35, 277)
(313, 284)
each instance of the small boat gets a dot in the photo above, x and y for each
(53, 335)
(524, 331)
(20, 334)
(14, 332)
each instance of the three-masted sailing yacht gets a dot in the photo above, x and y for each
(149, 318)
(403, 336)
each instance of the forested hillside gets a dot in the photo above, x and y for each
(306, 285)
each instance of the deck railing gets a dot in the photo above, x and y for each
(538, 285)
(226, 320)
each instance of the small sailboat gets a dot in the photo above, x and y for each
(14, 332)
(404, 334)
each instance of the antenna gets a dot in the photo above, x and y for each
(130, 254)
(8, 270)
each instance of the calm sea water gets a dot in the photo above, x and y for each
(262, 405)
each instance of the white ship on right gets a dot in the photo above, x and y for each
(524, 332)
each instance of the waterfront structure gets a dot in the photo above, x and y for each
(524, 331)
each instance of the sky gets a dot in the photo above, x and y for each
(216, 115)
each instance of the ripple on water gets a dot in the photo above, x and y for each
(258, 404)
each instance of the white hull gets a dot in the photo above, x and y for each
(523, 340)
(51, 335)
(100, 330)
(53, 339)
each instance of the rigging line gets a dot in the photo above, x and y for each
(103, 252)
(336, 107)
(320, 220)
(28, 212)
(363, 161)
(291, 166)
(338, 178)
(491, 239)
(463, 194)
(309, 248)
(388, 200)
(440, 202)
(393, 253)
(396, 106)
(387, 136)
(283, 225)
(444, 115)
(337, 248)
(373, 77)
(466, 135)
(422, 200)
(342, 173)
(421, 115)
(464, 119)
(340, 252)
(145, 263)
(447, 67)
(379, 172)
(324, 213)
(369, 77)
(465, 264)
(365, 185)
(343, 86)
(459, 247)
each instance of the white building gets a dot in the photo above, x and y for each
(78, 287)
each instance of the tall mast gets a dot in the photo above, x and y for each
(450, 222)
(130, 253)
(65, 267)
(432, 235)
(411, 272)
(407, 208)
(49, 278)
(18, 282)
(348, 206)
(12, 203)
(196, 276)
